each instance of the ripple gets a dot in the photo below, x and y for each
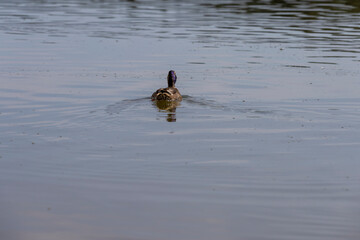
(267, 119)
(288, 23)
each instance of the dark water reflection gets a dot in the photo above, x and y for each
(264, 145)
(169, 108)
(326, 25)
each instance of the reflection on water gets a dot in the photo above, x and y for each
(331, 26)
(264, 145)
(168, 107)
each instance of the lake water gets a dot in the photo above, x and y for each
(264, 145)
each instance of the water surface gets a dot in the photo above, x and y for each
(264, 145)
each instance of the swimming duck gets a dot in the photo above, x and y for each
(171, 93)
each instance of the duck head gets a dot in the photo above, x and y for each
(171, 78)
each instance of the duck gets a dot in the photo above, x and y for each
(171, 93)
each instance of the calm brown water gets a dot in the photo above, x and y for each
(265, 144)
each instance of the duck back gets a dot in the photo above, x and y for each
(168, 94)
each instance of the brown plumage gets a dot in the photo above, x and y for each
(171, 93)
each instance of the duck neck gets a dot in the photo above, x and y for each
(170, 83)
